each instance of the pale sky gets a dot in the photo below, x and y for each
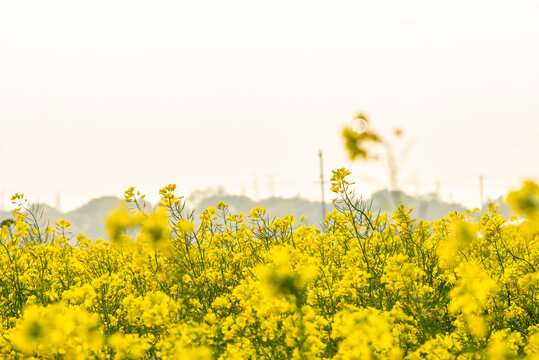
(97, 96)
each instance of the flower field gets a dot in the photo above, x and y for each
(169, 284)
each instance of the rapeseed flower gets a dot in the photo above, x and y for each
(363, 286)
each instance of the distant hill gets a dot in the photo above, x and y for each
(427, 207)
(90, 218)
(275, 206)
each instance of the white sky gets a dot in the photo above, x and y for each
(97, 96)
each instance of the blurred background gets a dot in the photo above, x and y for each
(237, 98)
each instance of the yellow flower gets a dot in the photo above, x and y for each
(15, 198)
(359, 145)
(256, 212)
(526, 201)
(360, 286)
(338, 180)
(155, 230)
(167, 196)
(62, 224)
(221, 205)
(504, 344)
(129, 346)
(58, 329)
(129, 194)
(472, 291)
(120, 220)
(185, 226)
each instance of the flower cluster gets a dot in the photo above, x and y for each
(167, 285)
